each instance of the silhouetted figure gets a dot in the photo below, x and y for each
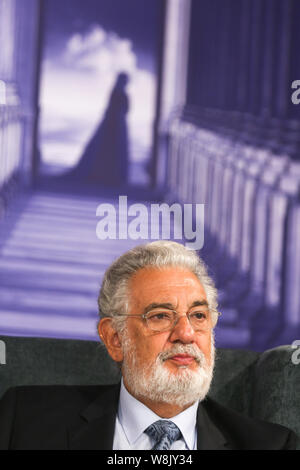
(105, 158)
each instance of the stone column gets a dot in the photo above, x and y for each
(173, 78)
(175, 63)
(7, 40)
(282, 65)
(28, 68)
(243, 72)
(256, 57)
(268, 77)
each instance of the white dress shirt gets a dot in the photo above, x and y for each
(134, 417)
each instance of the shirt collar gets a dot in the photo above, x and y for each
(135, 417)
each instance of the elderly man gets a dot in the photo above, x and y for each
(158, 308)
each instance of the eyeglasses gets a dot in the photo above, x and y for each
(164, 319)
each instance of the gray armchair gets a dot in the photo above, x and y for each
(261, 385)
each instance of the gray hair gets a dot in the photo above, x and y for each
(114, 296)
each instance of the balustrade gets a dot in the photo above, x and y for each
(252, 223)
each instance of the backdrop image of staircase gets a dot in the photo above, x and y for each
(52, 264)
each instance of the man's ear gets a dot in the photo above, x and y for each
(111, 339)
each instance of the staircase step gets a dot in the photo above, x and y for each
(39, 300)
(22, 323)
(53, 282)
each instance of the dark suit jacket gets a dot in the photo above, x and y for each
(83, 417)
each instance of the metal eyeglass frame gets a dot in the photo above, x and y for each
(175, 321)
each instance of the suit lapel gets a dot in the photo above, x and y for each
(209, 437)
(95, 429)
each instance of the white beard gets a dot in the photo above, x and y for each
(156, 383)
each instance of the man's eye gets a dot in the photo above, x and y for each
(160, 316)
(199, 316)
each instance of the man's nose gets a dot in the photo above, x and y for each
(183, 330)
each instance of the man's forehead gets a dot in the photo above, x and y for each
(159, 285)
(174, 274)
(173, 306)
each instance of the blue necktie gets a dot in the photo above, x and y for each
(164, 434)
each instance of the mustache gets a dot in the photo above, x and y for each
(184, 349)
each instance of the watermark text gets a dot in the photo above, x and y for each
(296, 354)
(2, 92)
(2, 352)
(138, 221)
